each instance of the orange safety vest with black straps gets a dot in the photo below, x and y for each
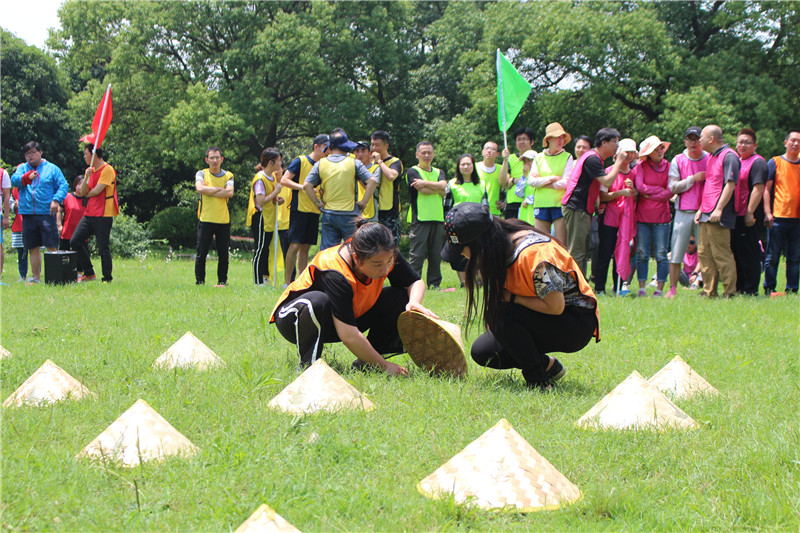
(364, 295)
(106, 203)
(529, 254)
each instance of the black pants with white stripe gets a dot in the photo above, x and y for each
(307, 321)
(262, 239)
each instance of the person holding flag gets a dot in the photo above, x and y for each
(262, 208)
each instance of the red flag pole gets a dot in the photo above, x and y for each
(102, 118)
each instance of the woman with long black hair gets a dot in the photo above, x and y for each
(341, 294)
(535, 298)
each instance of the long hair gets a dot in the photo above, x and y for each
(476, 178)
(371, 238)
(488, 261)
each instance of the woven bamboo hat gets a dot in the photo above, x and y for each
(433, 344)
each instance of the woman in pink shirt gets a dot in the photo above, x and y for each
(652, 211)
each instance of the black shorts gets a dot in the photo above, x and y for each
(303, 227)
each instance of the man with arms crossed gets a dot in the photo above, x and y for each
(391, 170)
(215, 187)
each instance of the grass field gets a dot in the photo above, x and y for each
(739, 470)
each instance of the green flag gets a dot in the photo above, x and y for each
(512, 91)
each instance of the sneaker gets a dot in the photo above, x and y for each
(673, 291)
(86, 278)
(642, 293)
(21, 279)
(657, 293)
(693, 287)
(556, 371)
(32, 281)
(776, 294)
(433, 288)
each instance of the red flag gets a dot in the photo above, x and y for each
(625, 238)
(101, 122)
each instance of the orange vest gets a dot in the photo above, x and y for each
(364, 296)
(98, 206)
(787, 189)
(529, 254)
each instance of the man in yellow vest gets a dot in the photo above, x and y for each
(216, 188)
(426, 186)
(362, 153)
(389, 185)
(489, 172)
(337, 176)
(304, 213)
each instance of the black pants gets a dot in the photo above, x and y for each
(222, 232)
(528, 336)
(511, 211)
(607, 241)
(747, 254)
(262, 241)
(66, 246)
(307, 321)
(100, 227)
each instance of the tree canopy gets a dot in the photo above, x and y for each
(247, 75)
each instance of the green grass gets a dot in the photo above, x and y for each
(739, 470)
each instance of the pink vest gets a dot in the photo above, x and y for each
(594, 188)
(654, 210)
(741, 195)
(715, 181)
(614, 208)
(690, 200)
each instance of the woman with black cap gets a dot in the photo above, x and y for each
(535, 298)
(341, 294)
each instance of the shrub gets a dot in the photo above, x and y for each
(176, 225)
(129, 238)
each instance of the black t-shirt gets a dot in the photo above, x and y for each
(340, 292)
(759, 173)
(592, 168)
(412, 175)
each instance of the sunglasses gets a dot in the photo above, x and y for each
(691, 242)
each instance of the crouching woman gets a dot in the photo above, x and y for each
(535, 298)
(341, 294)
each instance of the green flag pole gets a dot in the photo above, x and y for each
(501, 98)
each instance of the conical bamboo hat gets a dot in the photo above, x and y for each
(500, 470)
(188, 352)
(139, 434)
(319, 388)
(433, 344)
(4, 353)
(49, 384)
(266, 520)
(678, 380)
(635, 404)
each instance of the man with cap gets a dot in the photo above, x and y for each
(782, 214)
(747, 199)
(362, 153)
(303, 212)
(717, 215)
(426, 186)
(687, 172)
(583, 189)
(391, 170)
(337, 176)
(42, 187)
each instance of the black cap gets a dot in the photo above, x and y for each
(693, 130)
(462, 225)
(363, 144)
(323, 140)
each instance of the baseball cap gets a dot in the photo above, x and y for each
(462, 225)
(340, 141)
(323, 140)
(692, 130)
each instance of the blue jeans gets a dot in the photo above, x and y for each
(652, 236)
(783, 237)
(336, 228)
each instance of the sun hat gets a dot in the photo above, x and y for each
(626, 145)
(528, 154)
(463, 224)
(555, 130)
(648, 145)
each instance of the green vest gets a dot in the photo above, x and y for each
(492, 184)
(549, 165)
(466, 192)
(514, 172)
(429, 206)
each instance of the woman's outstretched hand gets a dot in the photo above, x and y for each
(411, 306)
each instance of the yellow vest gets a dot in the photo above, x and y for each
(212, 208)
(386, 190)
(284, 209)
(369, 209)
(267, 211)
(304, 203)
(338, 184)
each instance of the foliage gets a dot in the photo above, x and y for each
(176, 225)
(738, 470)
(129, 238)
